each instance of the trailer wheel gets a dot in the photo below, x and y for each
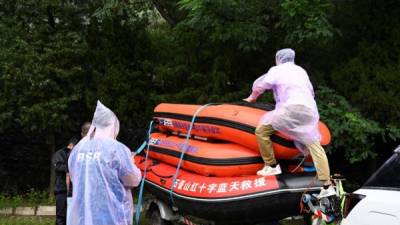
(155, 217)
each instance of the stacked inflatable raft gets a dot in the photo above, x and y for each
(217, 179)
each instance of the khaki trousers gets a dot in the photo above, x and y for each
(263, 134)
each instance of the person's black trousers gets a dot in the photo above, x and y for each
(61, 209)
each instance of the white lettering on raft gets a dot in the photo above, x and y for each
(221, 187)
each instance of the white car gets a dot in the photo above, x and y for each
(377, 202)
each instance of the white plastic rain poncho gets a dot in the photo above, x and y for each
(295, 113)
(102, 173)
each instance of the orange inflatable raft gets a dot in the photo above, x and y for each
(213, 159)
(229, 122)
(208, 159)
(231, 200)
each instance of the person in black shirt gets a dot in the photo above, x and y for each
(60, 162)
(84, 130)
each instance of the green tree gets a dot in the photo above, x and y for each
(306, 21)
(363, 62)
(58, 57)
(40, 68)
(352, 134)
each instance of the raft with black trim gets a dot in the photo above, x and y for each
(229, 122)
(208, 159)
(214, 159)
(228, 200)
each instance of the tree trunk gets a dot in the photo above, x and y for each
(51, 145)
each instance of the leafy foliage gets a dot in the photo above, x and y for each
(372, 82)
(58, 57)
(306, 21)
(39, 66)
(366, 58)
(351, 132)
(224, 21)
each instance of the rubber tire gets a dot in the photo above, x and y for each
(155, 218)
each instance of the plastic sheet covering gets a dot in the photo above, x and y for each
(295, 113)
(285, 55)
(102, 173)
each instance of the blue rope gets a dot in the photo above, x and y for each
(140, 149)
(139, 204)
(185, 147)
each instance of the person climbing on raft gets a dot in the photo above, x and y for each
(295, 114)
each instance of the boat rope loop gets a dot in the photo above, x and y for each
(185, 147)
(301, 163)
(145, 143)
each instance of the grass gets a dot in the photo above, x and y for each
(291, 222)
(31, 198)
(26, 220)
(36, 220)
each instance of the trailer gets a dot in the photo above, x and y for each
(314, 211)
(159, 213)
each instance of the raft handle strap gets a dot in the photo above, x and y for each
(140, 149)
(301, 163)
(185, 147)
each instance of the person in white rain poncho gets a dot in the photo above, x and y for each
(295, 114)
(103, 173)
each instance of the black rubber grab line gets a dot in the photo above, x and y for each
(243, 127)
(208, 161)
(256, 105)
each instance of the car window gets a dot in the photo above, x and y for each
(387, 176)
